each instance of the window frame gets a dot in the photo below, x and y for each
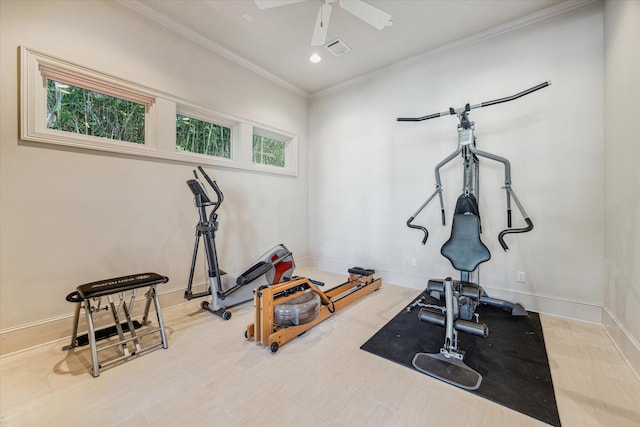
(57, 85)
(37, 68)
(160, 118)
(216, 119)
(286, 141)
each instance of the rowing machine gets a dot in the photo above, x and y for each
(274, 305)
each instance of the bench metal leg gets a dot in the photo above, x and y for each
(92, 338)
(118, 325)
(127, 312)
(74, 334)
(156, 302)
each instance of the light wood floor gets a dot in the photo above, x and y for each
(210, 375)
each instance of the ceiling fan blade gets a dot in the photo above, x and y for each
(268, 4)
(322, 25)
(369, 14)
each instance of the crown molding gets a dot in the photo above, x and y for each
(209, 44)
(514, 25)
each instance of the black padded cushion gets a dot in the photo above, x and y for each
(467, 204)
(119, 284)
(361, 271)
(464, 248)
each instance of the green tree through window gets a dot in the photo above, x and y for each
(77, 110)
(198, 136)
(268, 151)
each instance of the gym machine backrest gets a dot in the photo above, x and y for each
(464, 249)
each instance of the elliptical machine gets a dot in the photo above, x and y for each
(466, 252)
(274, 266)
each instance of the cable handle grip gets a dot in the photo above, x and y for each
(503, 233)
(418, 227)
(452, 111)
(213, 185)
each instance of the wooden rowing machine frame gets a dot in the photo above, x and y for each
(360, 284)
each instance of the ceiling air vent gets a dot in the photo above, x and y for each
(337, 47)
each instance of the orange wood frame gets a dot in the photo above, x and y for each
(264, 331)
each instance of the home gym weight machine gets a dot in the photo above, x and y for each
(274, 266)
(466, 252)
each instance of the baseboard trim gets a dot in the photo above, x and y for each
(573, 309)
(48, 331)
(628, 347)
(23, 338)
(27, 337)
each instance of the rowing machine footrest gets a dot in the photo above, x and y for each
(316, 282)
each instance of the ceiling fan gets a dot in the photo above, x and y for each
(369, 14)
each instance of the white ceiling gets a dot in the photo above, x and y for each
(276, 42)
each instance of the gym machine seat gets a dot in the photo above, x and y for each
(129, 341)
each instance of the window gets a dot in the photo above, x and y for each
(268, 151)
(65, 104)
(82, 111)
(202, 137)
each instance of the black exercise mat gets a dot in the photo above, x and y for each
(512, 359)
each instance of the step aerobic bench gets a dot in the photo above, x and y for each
(89, 296)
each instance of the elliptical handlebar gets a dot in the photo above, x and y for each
(453, 111)
(213, 185)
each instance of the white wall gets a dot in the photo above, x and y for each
(622, 181)
(369, 173)
(71, 216)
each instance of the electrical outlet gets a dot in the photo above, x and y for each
(521, 277)
(409, 260)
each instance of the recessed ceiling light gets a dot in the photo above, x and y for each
(315, 58)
